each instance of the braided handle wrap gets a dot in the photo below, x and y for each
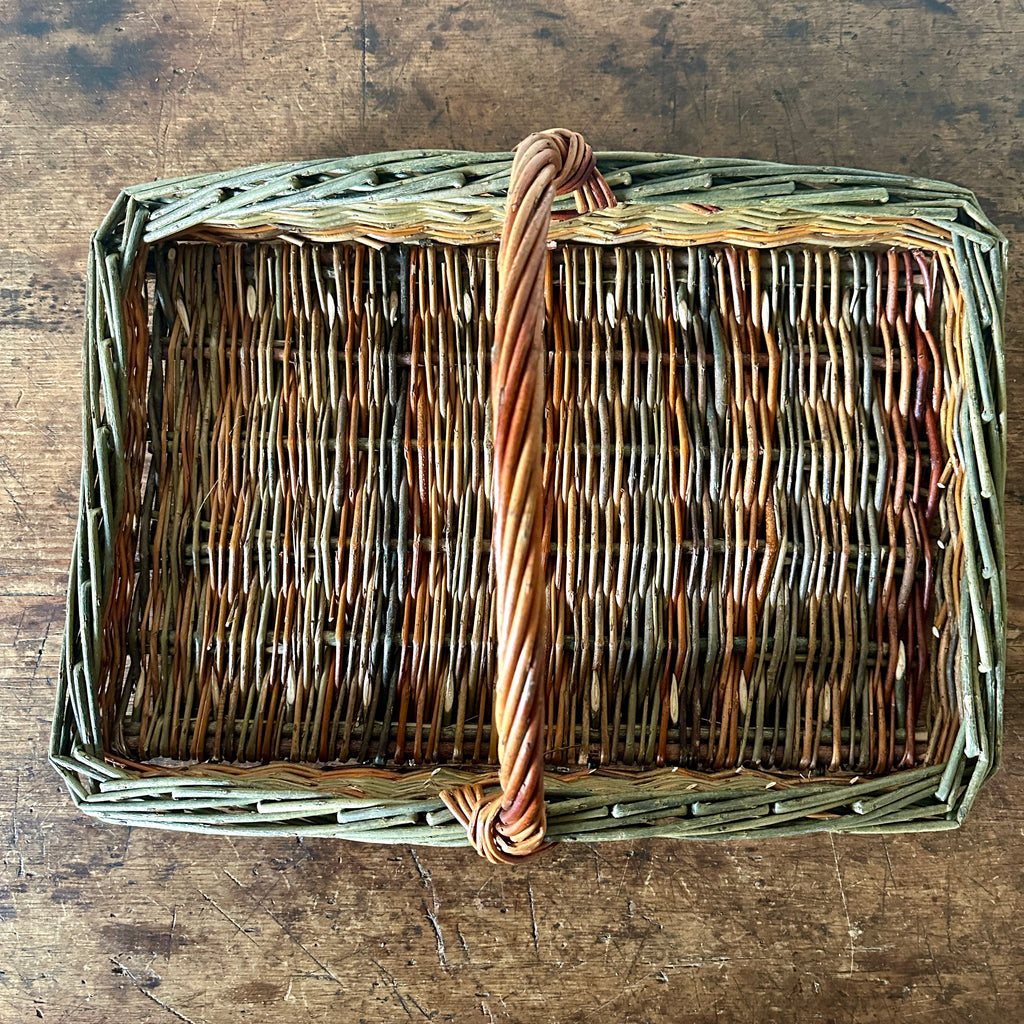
(511, 824)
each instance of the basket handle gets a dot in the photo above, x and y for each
(511, 824)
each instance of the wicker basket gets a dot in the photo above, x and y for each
(679, 512)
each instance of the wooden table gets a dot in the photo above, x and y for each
(98, 923)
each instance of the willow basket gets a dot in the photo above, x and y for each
(745, 494)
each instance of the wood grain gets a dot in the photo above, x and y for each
(99, 923)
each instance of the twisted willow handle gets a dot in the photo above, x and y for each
(512, 823)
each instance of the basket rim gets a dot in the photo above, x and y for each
(458, 196)
(384, 806)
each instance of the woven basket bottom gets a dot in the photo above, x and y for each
(751, 511)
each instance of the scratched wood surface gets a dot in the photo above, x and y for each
(98, 923)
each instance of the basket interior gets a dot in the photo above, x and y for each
(751, 509)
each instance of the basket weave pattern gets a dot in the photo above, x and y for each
(771, 454)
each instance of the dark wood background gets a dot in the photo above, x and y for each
(98, 923)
